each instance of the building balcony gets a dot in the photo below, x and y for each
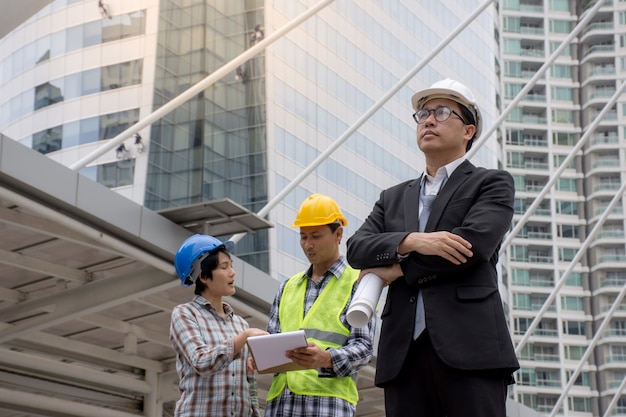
(600, 49)
(607, 307)
(605, 140)
(606, 187)
(606, 163)
(610, 70)
(612, 258)
(600, 26)
(618, 283)
(533, 8)
(614, 333)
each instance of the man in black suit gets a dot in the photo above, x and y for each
(445, 348)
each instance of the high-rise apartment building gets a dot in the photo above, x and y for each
(539, 134)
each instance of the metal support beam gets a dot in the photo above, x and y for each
(87, 299)
(45, 405)
(106, 241)
(605, 323)
(201, 85)
(365, 116)
(81, 374)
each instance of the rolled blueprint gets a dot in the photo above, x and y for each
(364, 302)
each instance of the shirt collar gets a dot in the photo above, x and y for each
(336, 269)
(442, 173)
(228, 310)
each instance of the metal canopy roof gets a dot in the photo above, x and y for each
(217, 217)
(87, 286)
(16, 12)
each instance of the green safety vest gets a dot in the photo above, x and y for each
(322, 327)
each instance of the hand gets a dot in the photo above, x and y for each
(444, 244)
(253, 331)
(242, 338)
(310, 357)
(251, 365)
(387, 273)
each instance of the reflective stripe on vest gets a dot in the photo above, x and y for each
(323, 327)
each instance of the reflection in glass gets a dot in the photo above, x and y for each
(48, 140)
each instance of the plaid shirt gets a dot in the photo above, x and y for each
(213, 381)
(356, 353)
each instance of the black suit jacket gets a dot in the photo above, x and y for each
(464, 313)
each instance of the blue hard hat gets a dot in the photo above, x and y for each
(191, 253)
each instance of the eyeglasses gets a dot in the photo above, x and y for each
(442, 113)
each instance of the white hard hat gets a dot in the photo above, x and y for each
(452, 90)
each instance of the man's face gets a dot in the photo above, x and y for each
(448, 138)
(319, 244)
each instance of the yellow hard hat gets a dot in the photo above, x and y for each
(318, 210)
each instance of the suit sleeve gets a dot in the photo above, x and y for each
(374, 243)
(480, 212)
(484, 222)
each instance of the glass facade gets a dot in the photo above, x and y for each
(82, 131)
(213, 146)
(333, 69)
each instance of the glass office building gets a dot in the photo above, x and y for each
(540, 134)
(74, 76)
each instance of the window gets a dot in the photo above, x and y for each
(567, 254)
(567, 207)
(512, 46)
(574, 328)
(562, 93)
(548, 378)
(618, 353)
(521, 325)
(115, 174)
(582, 380)
(521, 301)
(566, 184)
(559, 159)
(564, 139)
(560, 5)
(582, 405)
(617, 328)
(567, 51)
(614, 278)
(572, 303)
(560, 26)
(574, 352)
(511, 24)
(511, 90)
(48, 140)
(520, 182)
(567, 231)
(515, 160)
(574, 279)
(562, 116)
(520, 277)
(48, 93)
(561, 71)
(527, 377)
(515, 137)
(519, 206)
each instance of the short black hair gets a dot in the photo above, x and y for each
(334, 226)
(469, 116)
